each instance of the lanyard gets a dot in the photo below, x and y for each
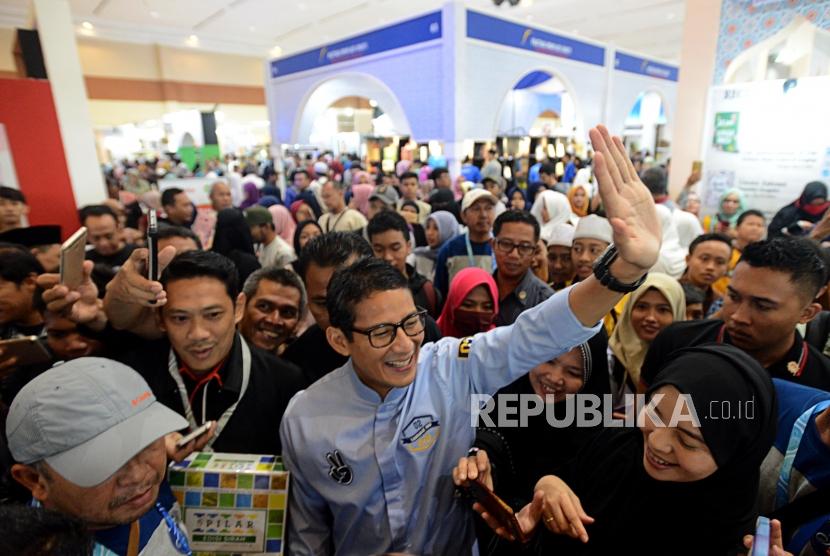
(330, 226)
(470, 257)
(783, 486)
(177, 536)
(794, 368)
(173, 368)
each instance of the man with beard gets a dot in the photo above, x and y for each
(772, 290)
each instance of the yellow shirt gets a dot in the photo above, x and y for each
(720, 286)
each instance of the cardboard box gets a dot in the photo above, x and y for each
(232, 503)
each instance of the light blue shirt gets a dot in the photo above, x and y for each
(370, 476)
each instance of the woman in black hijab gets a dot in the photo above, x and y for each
(443, 199)
(797, 218)
(516, 450)
(675, 489)
(233, 239)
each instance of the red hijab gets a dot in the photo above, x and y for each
(461, 285)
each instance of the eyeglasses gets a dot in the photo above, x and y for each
(382, 335)
(506, 246)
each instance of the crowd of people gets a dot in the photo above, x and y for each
(351, 323)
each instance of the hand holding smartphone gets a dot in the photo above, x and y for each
(497, 509)
(196, 433)
(760, 543)
(28, 350)
(73, 252)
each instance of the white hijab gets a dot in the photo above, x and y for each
(672, 259)
(558, 210)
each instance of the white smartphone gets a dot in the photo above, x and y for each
(196, 433)
(73, 252)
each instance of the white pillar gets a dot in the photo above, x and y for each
(60, 54)
(697, 65)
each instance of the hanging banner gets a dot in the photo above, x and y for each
(643, 66)
(768, 139)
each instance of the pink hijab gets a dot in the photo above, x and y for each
(283, 222)
(360, 196)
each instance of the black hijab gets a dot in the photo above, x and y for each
(444, 199)
(308, 198)
(233, 239)
(299, 230)
(800, 209)
(635, 513)
(523, 454)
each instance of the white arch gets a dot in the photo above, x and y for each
(569, 87)
(663, 102)
(330, 89)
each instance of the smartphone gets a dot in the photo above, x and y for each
(498, 509)
(197, 432)
(73, 252)
(760, 543)
(29, 350)
(152, 245)
(697, 166)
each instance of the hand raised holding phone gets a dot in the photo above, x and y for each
(79, 303)
(132, 285)
(771, 538)
(179, 446)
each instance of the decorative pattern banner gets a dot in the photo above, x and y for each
(498, 31)
(233, 503)
(744, 23)
(406, 33)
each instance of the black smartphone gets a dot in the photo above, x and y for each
(498, 509)
(152, 245)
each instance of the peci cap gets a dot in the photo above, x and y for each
(86, 418)
(474, 195)
(33, 236)
(594, 227)
(561, 234)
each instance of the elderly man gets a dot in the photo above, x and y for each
(91, 442)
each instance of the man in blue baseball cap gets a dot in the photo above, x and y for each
(89, 439)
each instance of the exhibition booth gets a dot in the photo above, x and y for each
(455, 79)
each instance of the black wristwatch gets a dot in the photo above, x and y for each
(602, 270)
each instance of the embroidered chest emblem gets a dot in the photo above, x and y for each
(421, 433)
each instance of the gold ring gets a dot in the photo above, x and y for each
(549, 519)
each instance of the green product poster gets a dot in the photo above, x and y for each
(726, 132)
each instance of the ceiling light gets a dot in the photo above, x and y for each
(87, 25)
(349, 112)
(276, 51)
(193, 40)
(373, 103)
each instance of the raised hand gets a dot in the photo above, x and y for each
(131, 285)
(776, 540)
(80, 305)
(628, 204)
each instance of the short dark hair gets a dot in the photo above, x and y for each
(437, 173)
(35, 531)
(799, 257)
(351, 285)
(656, 180)
(751, 212)
(387, 220)
(299, 171)
(12, 194)
(409, 175)
(708, 237)
(332, 249)
(692, 293)
(168, 196)
(96, 210)
(16, 265)
(167, 231)
(547, 168)
(281, 276)
(516, 216)
(203, 264)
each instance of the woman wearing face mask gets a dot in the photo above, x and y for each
(679, 486)
(652, 307)
(441, 226)
(472, 304)
(800, 217)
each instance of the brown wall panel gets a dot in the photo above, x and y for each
(106, 88)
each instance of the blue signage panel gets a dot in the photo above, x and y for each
(635, 64)
(406, 33)
(507, 33)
